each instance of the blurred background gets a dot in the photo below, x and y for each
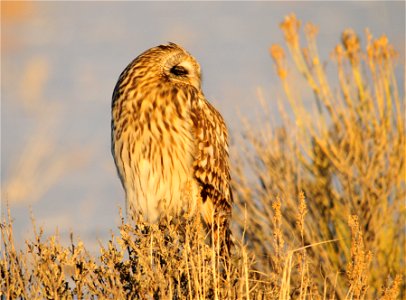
(60, 63)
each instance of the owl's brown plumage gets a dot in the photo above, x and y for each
(169, 143)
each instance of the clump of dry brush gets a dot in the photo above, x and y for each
(346, 155)
(320, 216)
(170, 260)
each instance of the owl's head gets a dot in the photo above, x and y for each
(173, 64)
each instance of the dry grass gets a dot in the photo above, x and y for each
(321, 214)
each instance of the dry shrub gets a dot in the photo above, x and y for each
(170, 260)
(346, 155)
(318, 215)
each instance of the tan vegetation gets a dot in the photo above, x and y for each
(320, 202)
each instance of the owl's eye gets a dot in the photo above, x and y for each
(179, 71)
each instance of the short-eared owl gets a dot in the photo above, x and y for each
(169, 143)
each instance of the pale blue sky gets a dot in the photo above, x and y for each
(80, 48)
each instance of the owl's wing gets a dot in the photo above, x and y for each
(211, 165)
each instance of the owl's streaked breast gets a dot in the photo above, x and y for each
(156, 154)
